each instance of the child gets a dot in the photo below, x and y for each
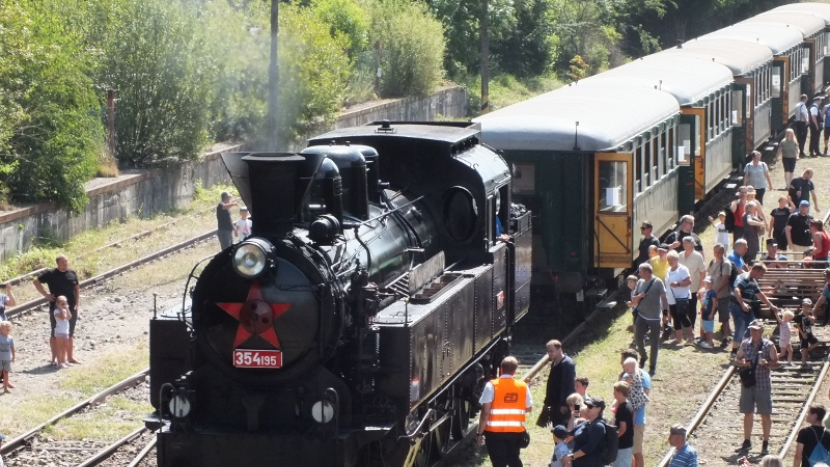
(6, 300)
(708, 309)
(62, 317)
(636, 396)
(632, 284)
(722, 235)
(804, 323)
(7, 354)
(784, 335)
(624, 420)
(242, 227)
(561, 453)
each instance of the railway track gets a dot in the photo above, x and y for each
(717, 424)
(83, 453)
(34, 304)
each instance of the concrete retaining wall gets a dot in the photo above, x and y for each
(149, 192)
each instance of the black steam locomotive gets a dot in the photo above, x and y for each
(357, 324)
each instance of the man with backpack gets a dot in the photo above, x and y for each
(813, 442)
(720, 270)
(816, 125)
(595, 440)
(756, 358)
(684, 455)
(802, 119)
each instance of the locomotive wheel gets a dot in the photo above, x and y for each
(442, 438)
(461, 418)
(420, 454)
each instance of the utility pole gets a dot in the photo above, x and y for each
(485, 58)
(111, 122)
(273, 81)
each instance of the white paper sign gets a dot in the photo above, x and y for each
(612, 196)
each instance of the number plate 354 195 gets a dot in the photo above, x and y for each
(243, 358)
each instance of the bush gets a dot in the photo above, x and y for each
(50, 131)
(413, 48)
(158, 61)
(346, 18)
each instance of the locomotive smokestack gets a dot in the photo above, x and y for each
(274, 180)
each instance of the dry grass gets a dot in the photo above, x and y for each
(111, 421)
(80, 383)
(197, 218)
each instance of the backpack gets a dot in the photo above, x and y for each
(826, 113)
(819, 454)
(819, 116)
(733, 275)
(612, 443)
(729, 222)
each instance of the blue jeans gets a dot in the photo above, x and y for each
(742, 320)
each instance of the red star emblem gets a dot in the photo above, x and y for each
(255, 316)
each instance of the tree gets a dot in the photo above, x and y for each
(50, 130)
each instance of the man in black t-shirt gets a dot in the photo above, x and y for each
(648, 239)
(624, 420)
(61, 281)
(801, 187)
(675, 239)
(798, 226)
(224, 227)
(778, 221)
(808, 438)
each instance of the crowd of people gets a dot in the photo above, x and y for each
(679, 296)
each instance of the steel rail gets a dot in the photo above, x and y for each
(143, 453)
(30, 305)
(803, 415)
(108, 451)
(17, 280)
(24, 439)
(536, 368)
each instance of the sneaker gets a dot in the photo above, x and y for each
(705, 345)
(746, 446)
(724, 343)
(643, 362)
(765, 448)
(652, 372)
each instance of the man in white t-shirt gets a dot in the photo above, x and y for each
(678, 292)
(242, 227)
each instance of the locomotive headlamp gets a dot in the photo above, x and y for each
(322, 411)
(252, 257)
(179, 406)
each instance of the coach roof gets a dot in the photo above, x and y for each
(549, 122)
(687, 79)
(777, 38)
(806, 24)
(822, 10)
(739, 56)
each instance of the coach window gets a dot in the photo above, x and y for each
(670, 146)
(613, 186)
(776, 81)
(660, 143)
(737, 108)
(638, 169)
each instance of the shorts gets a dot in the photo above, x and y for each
(723, 310)
(623, 458)
(53, 322)
(639, 432)
(708, 326)
(789, 164)
(752, 399)
(810, 340)
(5, 365)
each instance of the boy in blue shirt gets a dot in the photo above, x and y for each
(561, 453)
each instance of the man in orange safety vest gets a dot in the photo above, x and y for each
(505, 404)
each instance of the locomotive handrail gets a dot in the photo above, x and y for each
(420, 426)
(391, 211)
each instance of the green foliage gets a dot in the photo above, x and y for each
(413, 47)
(50, 131)
(347, 18)
(578, 69)
(156, 58)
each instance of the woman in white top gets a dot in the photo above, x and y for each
(679, 295)
(756, 174)
(694, 262)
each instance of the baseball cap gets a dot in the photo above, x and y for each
(677, 429)
(807, 301)
(592, 402)
(707, 279)
(804, 202)
(559, 431)
(771, 242)
(818, 97)
(663, 247)
(243, 208)
(756, 324)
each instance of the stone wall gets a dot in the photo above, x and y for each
(147, 192)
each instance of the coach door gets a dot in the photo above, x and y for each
(742, 114)
(691, 153)
(780, 94)
(613, 205)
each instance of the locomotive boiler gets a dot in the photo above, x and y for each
(359, 322)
